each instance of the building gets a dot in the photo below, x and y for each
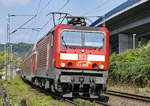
(128, 23)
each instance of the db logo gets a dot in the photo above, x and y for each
(82, 57)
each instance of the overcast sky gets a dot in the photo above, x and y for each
(43, 7)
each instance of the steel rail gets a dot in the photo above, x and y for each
(103, 103)
(71, 102)
(128, 95)
(55, 96)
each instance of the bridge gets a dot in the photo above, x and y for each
(128, 23)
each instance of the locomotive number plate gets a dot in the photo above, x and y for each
(82, 65)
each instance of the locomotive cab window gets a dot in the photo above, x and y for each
(94, 39)
(71, 38)
(80, 38)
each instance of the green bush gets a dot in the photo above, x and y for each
(1, 74)
(132, 66)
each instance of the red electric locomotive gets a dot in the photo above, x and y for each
(70, 60)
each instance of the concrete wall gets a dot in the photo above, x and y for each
(144, 41)
(125, 42)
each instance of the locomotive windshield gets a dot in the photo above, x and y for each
(71, 38)
(78, 38)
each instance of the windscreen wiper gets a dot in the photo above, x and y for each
(64, 41)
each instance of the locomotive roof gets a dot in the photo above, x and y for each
(43, 37)
(80, 27)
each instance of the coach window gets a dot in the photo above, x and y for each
(52, 39)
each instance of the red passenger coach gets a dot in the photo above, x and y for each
(71, 61)
(29, 64)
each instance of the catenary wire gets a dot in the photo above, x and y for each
(64, 5)
(51, 18)
(48, 3)
(39, 11)
(100, 5)
(38, 7)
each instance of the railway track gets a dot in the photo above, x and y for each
(71, 102)
(130, 96)
(54, 95)
(103, 103)
(109, 92)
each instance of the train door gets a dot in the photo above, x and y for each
(48, 54)
(51, 53)
(35, 63)
(32, 65)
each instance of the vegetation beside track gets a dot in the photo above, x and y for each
(17, 48)
(131, 67)
(20, 91)
(83, 102)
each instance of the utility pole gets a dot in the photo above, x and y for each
(11, 53)
(8, 59)
(5, 61)
(7, 45)
(134, 41)
(11, 63)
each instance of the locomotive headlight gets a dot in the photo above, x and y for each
(101, 66)
(62, 64)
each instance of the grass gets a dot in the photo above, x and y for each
(18, 90)
(83, 102)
